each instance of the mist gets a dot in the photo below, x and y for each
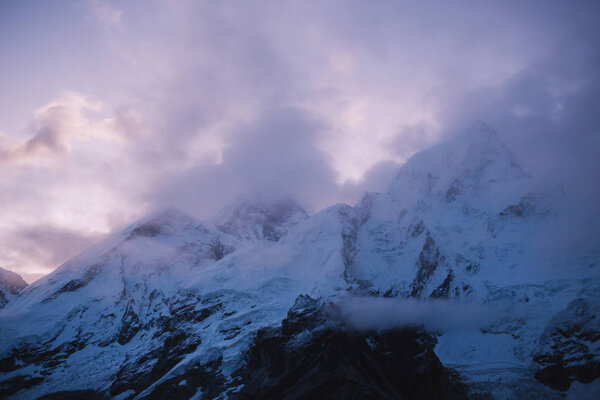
(379, 313)
(191, 104)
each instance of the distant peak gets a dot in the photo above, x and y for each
(11, 280)
(483, 129)
(168, 212)
(260, 218)
(161, 222)
(473, 159)
(261, 205)
(482, 134)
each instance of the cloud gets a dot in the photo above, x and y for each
(375, 179)
(274, 155)
(35, 251)
(411, 139)
(378, 313)
(67, 184)
(126, 124)
(549, 115)
(106, 13)
(204, 101)
(53, 128)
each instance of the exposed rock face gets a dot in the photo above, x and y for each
(164, 342)
(530, 205)
(309, 357)
(429, 260)
(570, 346)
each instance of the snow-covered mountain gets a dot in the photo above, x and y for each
(259, 218)
(10, 286)
(247, 305)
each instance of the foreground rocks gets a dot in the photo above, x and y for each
(570, 346)
(310, 357)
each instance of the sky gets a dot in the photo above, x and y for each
(112, 109)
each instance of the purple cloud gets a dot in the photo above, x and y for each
(206, 101)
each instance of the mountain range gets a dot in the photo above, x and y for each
(455, 282)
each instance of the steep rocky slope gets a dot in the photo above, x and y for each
(310, 356)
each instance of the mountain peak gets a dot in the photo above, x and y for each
(473, 162)
(11, 279)
(162, 222)
(483, 131)
(172, 306)
(260, 218)
(483, 138)
(11, 284)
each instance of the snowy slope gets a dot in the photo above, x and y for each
(171, 294)
(463, 220)
(455, 216)
(166, 276)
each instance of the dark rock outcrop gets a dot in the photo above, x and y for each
(429, 260)
(570, 346)
(310, 357)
